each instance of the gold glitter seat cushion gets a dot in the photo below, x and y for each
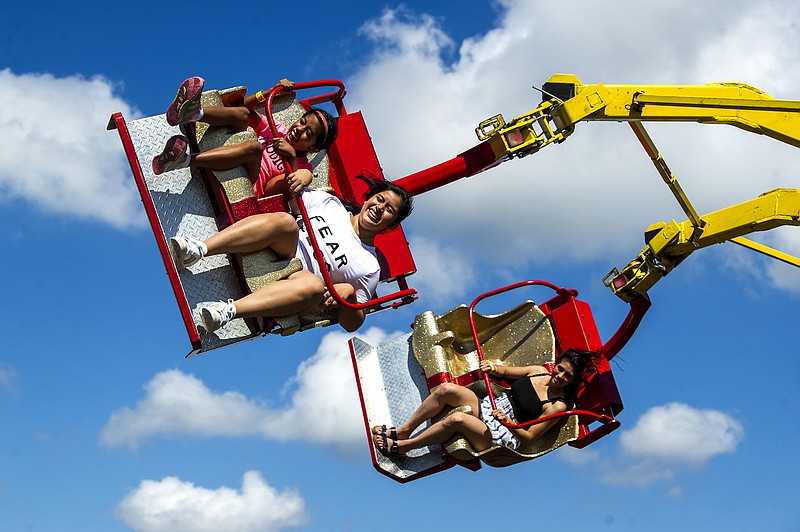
(521, 336)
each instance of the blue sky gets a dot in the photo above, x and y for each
(105, 426)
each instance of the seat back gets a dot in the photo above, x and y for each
(574, 327)
(522, 336)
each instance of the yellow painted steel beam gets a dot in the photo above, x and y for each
(766, 250)
(667, 175)
(569, 101)
(771, 209)
(524, 135)
(671, 243)
(734, 104)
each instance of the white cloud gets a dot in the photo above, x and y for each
(666, 442)
(755, 44)
(442, 273)
(57, 153)
(639, 473)
(173, 504)
(755, 270)
(578, 457)
(323, 406)
(782, 275)
(177, 403)
(592, 196)
(401, 33)
(679, 433)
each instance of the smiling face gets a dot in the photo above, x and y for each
(563, 374)
(303, 134)
(379, 211)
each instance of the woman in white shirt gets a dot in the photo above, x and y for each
(346, 240)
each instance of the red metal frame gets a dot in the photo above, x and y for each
(118, 122)
(639, 307)
(602, 418)
(574, 326)
(471, 162)
(581, 333)
(572, 332)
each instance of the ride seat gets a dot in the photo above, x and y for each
(262, 267)
(522, 336)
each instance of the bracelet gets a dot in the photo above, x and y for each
(492, 368)
(260, 97)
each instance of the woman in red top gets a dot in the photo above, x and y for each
(264, 157)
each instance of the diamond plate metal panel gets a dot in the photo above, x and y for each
(183, 208)
(393, 385)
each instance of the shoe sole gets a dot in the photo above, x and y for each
(209, 323)
(186, 101)
(178, 253)
(173, 154)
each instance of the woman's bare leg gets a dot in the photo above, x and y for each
(232, 117)
(277, 231)
(298, 292)
(446, 394)
(248, 153)
(468, 425)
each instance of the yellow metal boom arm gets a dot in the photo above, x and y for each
(668, 244)
(567, 101)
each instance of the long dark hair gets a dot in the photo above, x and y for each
(579, 360)
(376, 186)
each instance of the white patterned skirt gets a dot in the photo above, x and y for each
(501, 435)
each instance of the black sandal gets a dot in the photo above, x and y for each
(390, 451)
(392, 432)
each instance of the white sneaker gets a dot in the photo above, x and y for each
(216, 315)
(185, 251)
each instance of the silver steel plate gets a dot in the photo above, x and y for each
(392, 385)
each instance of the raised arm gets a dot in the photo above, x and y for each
(510, 372)
(253, 100)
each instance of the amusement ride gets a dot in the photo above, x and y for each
(393, 379)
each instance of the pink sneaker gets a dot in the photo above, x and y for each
(173, 157)
(186, 102)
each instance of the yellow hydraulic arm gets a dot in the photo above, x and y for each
(669, 243)
(568, 101)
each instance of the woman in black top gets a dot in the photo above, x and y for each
(535, 393)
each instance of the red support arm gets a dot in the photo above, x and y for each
(469, 163)
(639, 307)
